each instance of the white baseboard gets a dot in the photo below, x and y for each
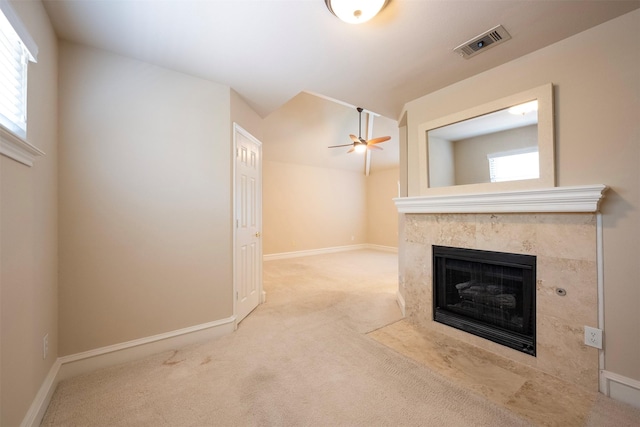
(621, 388)
(39, 405)
(392, 249)
(401, 303)
(322, 251)
(79, 363)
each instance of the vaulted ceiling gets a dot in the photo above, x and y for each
(271, 50)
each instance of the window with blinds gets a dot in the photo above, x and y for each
(514, 165)
(14, 60)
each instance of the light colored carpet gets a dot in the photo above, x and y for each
(300, 359)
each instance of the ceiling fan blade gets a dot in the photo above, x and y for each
(336, 146)
(354, 138)
(373, 147)
(378, 140)
(352, 150)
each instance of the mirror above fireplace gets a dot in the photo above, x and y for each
(470, 151)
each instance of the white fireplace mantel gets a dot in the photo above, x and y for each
(584, 198)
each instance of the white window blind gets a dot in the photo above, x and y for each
(14, 59)
(514, 165)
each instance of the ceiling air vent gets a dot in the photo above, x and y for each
(484, 41)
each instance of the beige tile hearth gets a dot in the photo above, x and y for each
(540, 397)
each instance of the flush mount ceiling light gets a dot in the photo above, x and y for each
(355, 11)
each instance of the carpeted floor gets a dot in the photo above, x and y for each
(301, 359)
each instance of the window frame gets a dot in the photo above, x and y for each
(13, 143)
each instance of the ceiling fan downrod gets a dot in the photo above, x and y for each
(360, 146)
(360, 109)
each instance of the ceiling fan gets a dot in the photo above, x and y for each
(360, 145)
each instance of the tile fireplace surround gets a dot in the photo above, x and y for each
(559, 225)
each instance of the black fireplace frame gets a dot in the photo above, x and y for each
(524, 342)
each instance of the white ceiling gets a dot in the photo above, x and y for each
(270, 50)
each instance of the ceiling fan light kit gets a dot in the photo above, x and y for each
(355, 11)
(360, 145)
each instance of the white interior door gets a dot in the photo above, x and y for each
(248, 218)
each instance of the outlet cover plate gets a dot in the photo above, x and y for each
(593, 337)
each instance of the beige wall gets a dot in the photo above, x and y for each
(597, 92)
(28, 236)
(245, 116)
(381, 214)
(145, 200)
(307, 207)
(403, 155)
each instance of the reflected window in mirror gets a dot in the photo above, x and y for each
(514, 165)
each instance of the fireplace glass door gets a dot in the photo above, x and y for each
(489, 294)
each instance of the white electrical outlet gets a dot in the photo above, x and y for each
(593, 337)
(45, 346)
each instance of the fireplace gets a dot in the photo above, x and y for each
(488, 294)
(558, 226)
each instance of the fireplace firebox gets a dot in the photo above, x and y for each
(488, 294)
